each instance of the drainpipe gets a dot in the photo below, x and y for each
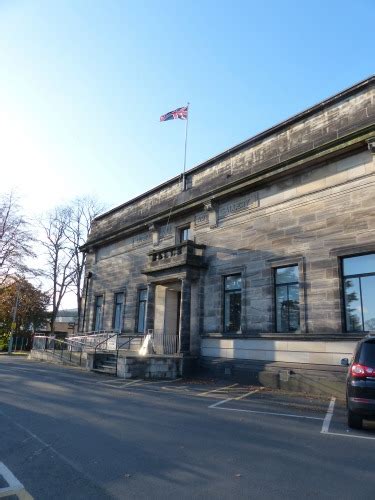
(88, 277)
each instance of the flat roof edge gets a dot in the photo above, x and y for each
(357, 87)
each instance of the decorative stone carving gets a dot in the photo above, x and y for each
(208, 206)
(165, 232)
(240, 204)
(212, 214)
(201, 218)
(371, 145)
(141, 239)
(154, 233)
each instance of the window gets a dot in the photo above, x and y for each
(142, 299)
(98, 320)
(232, 303)
(118, 312)
(184, 234)
(367, 354)
(359, 292)
(287, 299)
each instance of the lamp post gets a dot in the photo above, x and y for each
(14, 317)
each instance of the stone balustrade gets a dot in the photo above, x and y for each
(187, 253)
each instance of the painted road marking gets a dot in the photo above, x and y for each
(220, 403)
(216, 390)
(14, 486)
(118, 384)
(114, 383)
(234, 399)
(218, 406)
(161, 381)
(132, 383)
(349, 435)
(328, 417)
(248, 394)
(47, 446)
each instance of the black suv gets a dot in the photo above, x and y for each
(360, 383)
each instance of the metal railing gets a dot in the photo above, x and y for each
(164, 343)
(72, 348)
(127, 344)
(21, 343)
(68, 351)
(92, 340)
(110, 342)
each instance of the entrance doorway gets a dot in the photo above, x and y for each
(167, 318)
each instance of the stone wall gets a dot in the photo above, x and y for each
(341, 116)
(149, 367)
(288, 351)
(311, 218)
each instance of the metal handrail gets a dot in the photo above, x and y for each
(132, 337)
(106, 340)
(62, 343)
(124, 343)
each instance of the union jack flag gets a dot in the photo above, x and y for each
(181, 113)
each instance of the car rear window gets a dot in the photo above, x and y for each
(367, 354)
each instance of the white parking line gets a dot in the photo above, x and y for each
(14, 486)
(328, 417)
(216, 390)
(349, 435)
(220, 403)
(248, 394)
(291, 415)
(132, 382)
(162, 381)
(47, 446)
(118, 384)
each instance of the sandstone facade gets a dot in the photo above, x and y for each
(301, 193)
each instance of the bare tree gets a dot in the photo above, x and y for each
(59, 270)
(15, 238)
(82, 212)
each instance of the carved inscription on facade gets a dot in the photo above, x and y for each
(247, 202)
(141, 239)
(165, 232)
(201, 218)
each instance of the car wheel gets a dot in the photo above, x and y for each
(354, 421)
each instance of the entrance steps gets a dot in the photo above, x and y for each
(106, 363)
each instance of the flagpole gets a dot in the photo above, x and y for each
(186, 135)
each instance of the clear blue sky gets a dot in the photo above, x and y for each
(83, 84)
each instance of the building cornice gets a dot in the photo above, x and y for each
(315, 156)
(253, 140)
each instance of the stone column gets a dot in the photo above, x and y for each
(185, 307)
(150, 307)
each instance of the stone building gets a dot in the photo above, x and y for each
(263, 264)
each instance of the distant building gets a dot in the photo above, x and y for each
(66, 322)
(264, 266)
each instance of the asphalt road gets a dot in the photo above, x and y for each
(68, 434)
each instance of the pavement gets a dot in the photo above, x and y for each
(70, 434)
